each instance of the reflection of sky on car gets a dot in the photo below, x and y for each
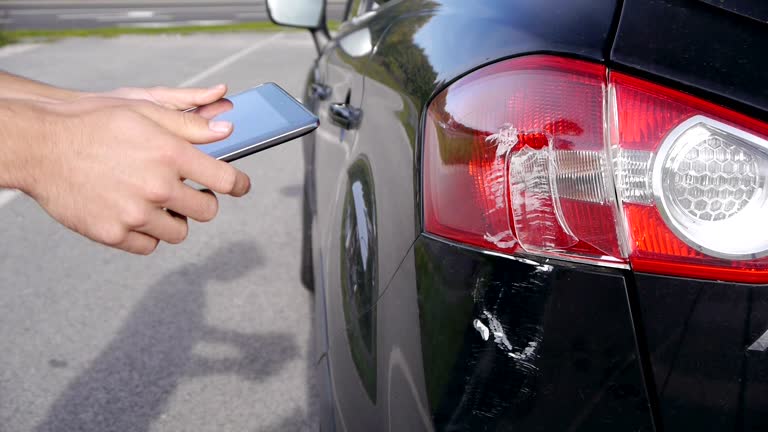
(362, 221)
(512, 17)
(358, 43)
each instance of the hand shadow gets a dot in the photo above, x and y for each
(128, 385)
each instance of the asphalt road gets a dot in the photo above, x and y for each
(58, 14)
(210, 335)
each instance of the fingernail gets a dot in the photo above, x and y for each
(220, 126)
(217, 87)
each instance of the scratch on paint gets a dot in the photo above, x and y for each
(498, 332)
(525, 356)
(482, 329)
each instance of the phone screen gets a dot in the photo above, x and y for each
(263, 117)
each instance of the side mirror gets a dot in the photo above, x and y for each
(308, 14)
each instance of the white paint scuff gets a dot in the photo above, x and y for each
(526, 355)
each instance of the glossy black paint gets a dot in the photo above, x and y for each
(698, 333)
(757, 10)
(399, 345)
(376, 367)
(359, 271)
(560, 352)
(455, 36)
(697, 47)
(419, 47)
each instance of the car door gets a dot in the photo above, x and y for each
(343, 225)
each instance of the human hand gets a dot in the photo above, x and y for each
(168, 97)
(112, 170)
(20, 88)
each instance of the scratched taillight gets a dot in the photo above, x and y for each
(515, 160)
(546, 156)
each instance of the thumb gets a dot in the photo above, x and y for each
(190, 126)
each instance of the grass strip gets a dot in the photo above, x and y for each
(11, 36)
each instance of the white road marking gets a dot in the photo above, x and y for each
(79, 16)
(121, 18)
(104, 11)
(10, 50)
(246, 15)
(8, 195)
(211, 22)
(229, 60)
(151, 24)
(113, 16)
(140, 14)
(166, 24)
(127, 3)
(134, 3)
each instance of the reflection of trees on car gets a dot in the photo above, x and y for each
(403, 63)
(404, 67)
(359, 272)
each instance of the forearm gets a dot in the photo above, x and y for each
(25, 130)
(16, 87)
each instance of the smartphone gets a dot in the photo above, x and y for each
(263, 117)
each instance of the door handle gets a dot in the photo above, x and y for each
(321, 91)
(345, 115)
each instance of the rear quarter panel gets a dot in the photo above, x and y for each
(420, 47)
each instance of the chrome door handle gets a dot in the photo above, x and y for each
(345, 115)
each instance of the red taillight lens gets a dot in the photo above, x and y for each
(529, 155)
(515, 157)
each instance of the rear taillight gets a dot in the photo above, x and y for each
(692, 179)
(540, 155)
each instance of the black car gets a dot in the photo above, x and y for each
(541, 215)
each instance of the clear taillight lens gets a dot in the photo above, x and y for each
(529, 155)
(692, 179)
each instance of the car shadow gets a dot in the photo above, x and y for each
(129, 384)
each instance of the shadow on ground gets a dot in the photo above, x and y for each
(128, 385)
(301, 420)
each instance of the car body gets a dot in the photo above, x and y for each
(423, 331)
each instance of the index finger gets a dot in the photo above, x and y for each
(214, 174)
(184, 98)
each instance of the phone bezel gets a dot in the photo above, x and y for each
(279, 139)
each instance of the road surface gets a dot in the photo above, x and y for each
(58, 14)
(209, 335)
